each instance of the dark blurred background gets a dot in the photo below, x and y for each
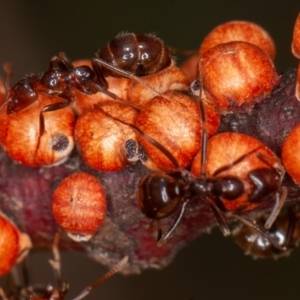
(212, 267)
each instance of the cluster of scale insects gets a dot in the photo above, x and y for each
(175, 184)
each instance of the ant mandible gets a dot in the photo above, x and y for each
(49, 292)
(160, 194)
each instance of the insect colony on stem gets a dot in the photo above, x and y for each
(137, 105)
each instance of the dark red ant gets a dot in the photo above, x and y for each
(285, 231)
(161, 194)
(60, 80)
(49, 292)
(140, 54)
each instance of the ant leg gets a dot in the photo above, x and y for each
(62, 61)
(52, 107)
(2, 294)
(166, 152)
(260, 231)
(97, 88)
(221, 220)
(103, 278)
(291, 227)
(159, 230)
(219, 215)
(56, 264)
(182, 51)
(174, 225)
(125, 74)
(237, 161)
(102, 80)
(279, 202)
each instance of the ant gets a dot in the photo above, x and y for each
(60, 80)
(161, 194)
(49, 292)
(285, 230)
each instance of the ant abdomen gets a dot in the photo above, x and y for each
(22, 95)
(159, 195)
(141, 54)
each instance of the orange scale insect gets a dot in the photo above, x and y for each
(21, 138)
(79, 205)
(14, 245)
(103, 142)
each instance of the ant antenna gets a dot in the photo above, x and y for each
(130, 75)
(182, 51)
(237, 161)
(165, 151)
(204, 132)
(103, 278)
(279, 201)
(161, 240)
(125, 74)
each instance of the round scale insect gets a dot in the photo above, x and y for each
(79, 205)
(49, 292)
